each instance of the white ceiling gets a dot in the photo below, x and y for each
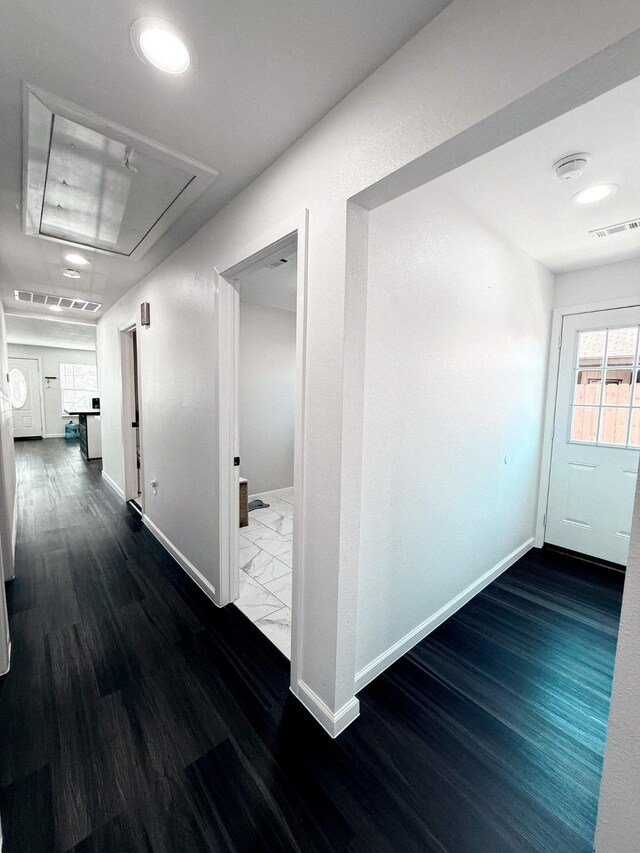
(514, 190)
(272, 287)
(50, 333)
(266, 72)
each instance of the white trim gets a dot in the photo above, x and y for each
(552, 392)
(132, 478)
(226, 273)
(6, 672)
(228, 506)
(195, 575)
(54, 434)
(14, 527)
(384, 660)
(113, 485)
(333, 723)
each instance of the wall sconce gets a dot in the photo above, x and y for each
(145, 315)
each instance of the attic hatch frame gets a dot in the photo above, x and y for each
(34, 170)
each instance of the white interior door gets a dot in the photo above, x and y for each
(596, 443)
(24, 389)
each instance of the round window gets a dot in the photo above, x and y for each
(17, 388)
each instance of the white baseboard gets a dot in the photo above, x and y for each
(54, 435)
(274, 492)
(116, 488)
(332, 722)
(197, 576)
(384, 660)
(14, 529)
(8, 660)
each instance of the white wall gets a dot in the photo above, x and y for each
(266, 396)
(7, 496)
(597, 284)
(455, 74)
(50, 359)
(618, 829)
(458, 325)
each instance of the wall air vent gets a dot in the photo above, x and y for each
(57, 301)
(279, 262)
(94, 184)
(631, 225)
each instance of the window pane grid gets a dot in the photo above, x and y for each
(78, 384)
(606, 394)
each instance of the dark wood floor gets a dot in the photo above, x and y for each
(138, 717)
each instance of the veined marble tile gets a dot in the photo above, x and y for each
(268, 540)
(277, 627)
(287, 556)
(282, 507)
(273, 518)
(260, 565)
(282, 588)
(255, 600)
(276, 495)
(248, 551)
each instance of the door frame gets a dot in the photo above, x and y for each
(552, 395)
(226, 274)
(128, 413)
(37, 358)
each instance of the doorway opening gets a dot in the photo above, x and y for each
(261, 388)
(131, 431)
(266, 412)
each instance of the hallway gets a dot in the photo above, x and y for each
(138, 717)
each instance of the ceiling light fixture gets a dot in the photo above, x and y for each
(55, 308)
(163, 45)
(598, 192)
(69, 273)
(78, 260)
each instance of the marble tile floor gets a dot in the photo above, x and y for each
(266, 567)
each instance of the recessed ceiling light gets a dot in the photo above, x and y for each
(163, 45)
(70, 273)
(78, 260)
(594, 193)
(55, 308)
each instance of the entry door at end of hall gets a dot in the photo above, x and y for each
(24, 390)
(596, 442)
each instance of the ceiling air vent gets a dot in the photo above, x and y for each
(58, 301)
(631, 225)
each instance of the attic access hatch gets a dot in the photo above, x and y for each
(90, 183)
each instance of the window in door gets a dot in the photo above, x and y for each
(606, 397)
(18, 392)
(78, 384)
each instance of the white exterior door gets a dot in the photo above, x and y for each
(596, 441)
(24, 389)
